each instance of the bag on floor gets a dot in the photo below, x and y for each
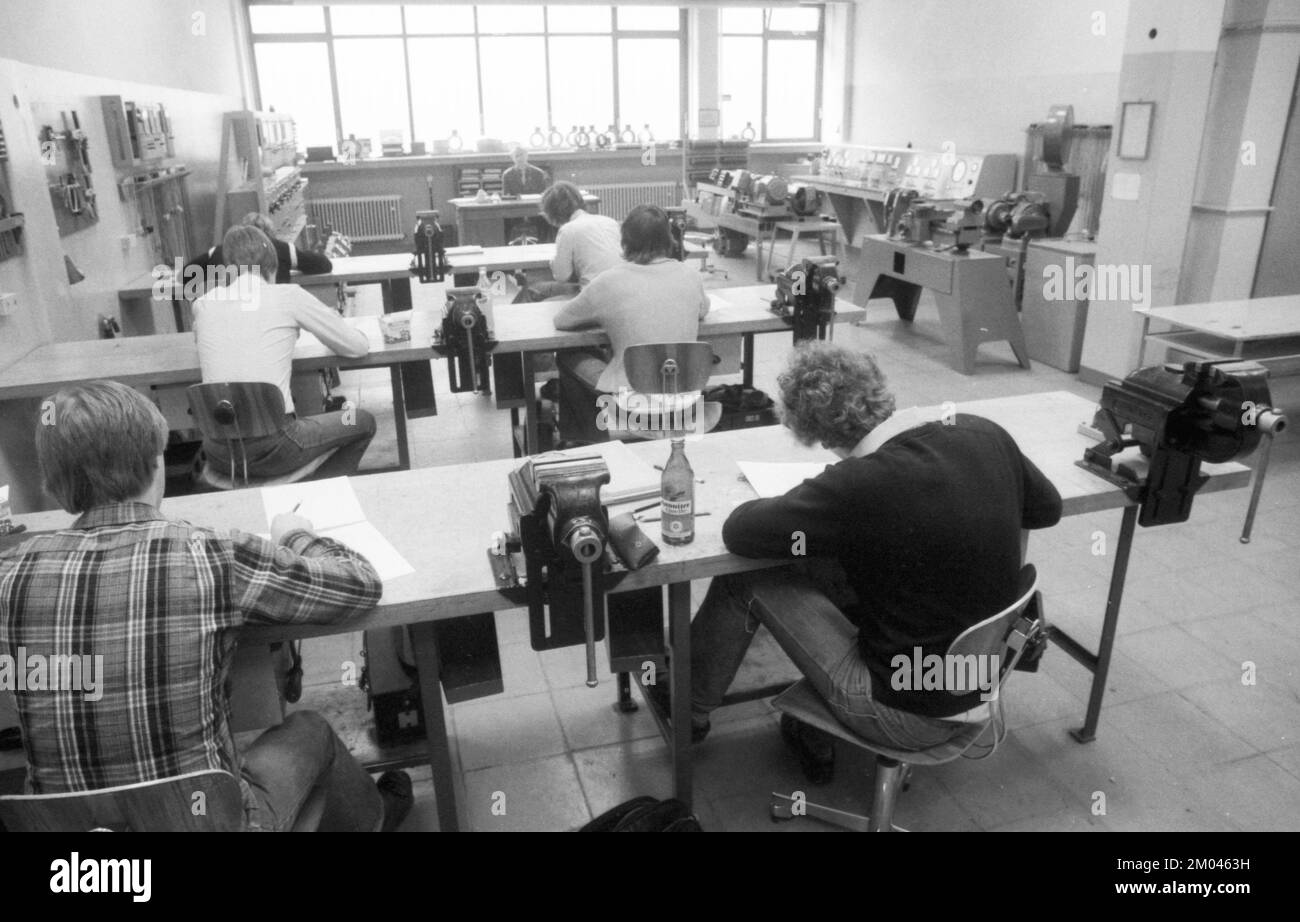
(646, 814)
(742, 407)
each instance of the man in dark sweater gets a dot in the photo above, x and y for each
(924, 515)
(289, 257)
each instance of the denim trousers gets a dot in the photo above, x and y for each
(821, 641)
(288, 763)
(580, 369)
(347, 433)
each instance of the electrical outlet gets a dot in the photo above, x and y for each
(8, 303)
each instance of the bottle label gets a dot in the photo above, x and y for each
(681, 507)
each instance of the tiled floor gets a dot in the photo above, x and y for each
(1200, 730)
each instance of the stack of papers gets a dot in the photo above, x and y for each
(332, 508)
(770, 478)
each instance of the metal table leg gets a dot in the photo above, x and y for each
(747, 359)
(679, 639)
(424, 638)
(1099, 663)
(399, 418)
(531, 439)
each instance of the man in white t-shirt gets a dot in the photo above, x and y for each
(649, 297)
(585, 245)
(247, 330)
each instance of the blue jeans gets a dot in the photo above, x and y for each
(287, 763)
(347, 433)
(821, 641)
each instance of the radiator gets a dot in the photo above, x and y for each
(617, 199)
(362, 218)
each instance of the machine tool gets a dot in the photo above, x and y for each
(1178, 417)
(805, 297)
(677, 225)
(465, 339)
(566, 537)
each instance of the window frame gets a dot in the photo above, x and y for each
(615, 34)
(767, 35)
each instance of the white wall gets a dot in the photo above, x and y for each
(977, 73)
(60, 54)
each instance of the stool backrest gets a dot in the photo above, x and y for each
(668, 368)
(227, 411)
(204, 801)
(1002, 635)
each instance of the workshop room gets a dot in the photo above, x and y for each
(344, 348)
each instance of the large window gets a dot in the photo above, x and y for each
(769, 62)
(497, 71)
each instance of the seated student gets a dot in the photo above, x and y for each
(585, 245)
(648, 298)
(288, 257)
(924, 516)
(523, 178)
(246, 331)
(157, 604)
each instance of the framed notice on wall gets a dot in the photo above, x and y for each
(1135, 130)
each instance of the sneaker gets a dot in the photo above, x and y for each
(815, 749)
(663, 700)
(395, 791)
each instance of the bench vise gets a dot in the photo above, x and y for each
(465, 339)
(430, 252)
(805, 297)
(1178, 417)
(568, 543)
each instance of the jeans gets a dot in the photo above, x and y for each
(301, 440)
(821, 641)
(580, 369)
(288, 763)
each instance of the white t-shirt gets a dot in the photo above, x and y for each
(585, 247)
(247, 331)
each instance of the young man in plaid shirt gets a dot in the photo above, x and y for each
(162, 601)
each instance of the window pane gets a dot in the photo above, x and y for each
(264, 19)
(748, 21)
(294, 78)
(649, 18)
(648, 85)
(791, 88)
(795, 19)
(507, 19)
(582, 92)
(372, 87)
(439, 20)
(366, 20)
(739, 70)
(514, 86)
(578, 19)
(438, 113)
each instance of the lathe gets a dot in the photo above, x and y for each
(1178, 417)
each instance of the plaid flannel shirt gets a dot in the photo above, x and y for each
(161, 601)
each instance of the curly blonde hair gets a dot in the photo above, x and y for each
(832, 395)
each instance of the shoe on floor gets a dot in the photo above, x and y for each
(815, 749)
(663, 699)
(395, 791)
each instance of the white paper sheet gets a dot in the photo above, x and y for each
(370, 543)
(776, 478)
(325, 503)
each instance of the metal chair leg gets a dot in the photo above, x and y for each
(887, 785)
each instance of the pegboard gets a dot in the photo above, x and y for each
(11, 220)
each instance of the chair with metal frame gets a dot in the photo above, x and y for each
(231, 412)
(666, 382)
(202, 801)
(1004, 636)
